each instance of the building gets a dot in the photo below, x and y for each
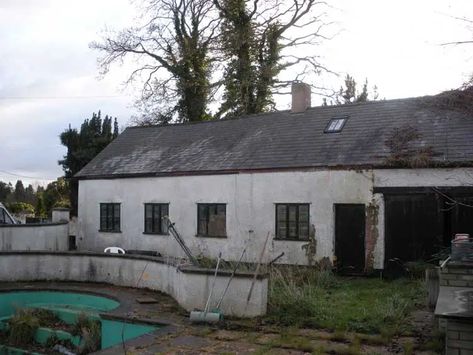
(359, 184)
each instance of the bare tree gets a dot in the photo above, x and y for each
(469, 24)
(187, 50)
(172, 50)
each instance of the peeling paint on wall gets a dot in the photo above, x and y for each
(372, 233)
(311, 247)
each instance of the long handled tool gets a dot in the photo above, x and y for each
(276, 259)
(206, 316)
(228, 283)
(180, 241)
(257, 269)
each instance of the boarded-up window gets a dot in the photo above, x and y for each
(211, 219)
(110, 217)
(155, 222)
(292, 221)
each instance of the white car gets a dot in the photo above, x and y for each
(5, 216)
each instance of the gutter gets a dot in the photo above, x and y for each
(265, 170)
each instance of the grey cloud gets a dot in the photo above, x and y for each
(44, 53)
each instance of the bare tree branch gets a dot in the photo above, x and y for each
(173, 48)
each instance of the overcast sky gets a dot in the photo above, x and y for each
(49, 78)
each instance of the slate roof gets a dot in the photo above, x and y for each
(284, 140)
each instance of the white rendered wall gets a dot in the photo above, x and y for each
(51, 237)
(250, 200)
(60, 215)
(424, 177)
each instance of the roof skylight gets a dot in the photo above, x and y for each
(336, 124)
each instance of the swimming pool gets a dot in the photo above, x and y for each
(68, 307)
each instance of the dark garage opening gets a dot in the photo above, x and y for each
(420, 223)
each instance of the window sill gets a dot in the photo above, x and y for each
(211, 236)
(104, 231)
(292, 240)
(157, 234)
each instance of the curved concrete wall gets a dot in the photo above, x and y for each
(189, 286)
(51, 237)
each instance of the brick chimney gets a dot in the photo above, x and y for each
(300, 97)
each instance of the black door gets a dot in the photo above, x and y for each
(350, 237)
(414, 226)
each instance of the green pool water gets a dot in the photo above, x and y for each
(67, 306)
(54, 299)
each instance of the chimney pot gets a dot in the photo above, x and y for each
(300, 97)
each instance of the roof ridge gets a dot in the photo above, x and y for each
(262, 114)
(226, 119)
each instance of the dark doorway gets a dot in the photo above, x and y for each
(420, 222)
(414, 226)
(350, 237)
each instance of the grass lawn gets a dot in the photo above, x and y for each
(363, 305)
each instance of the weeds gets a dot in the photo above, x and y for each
(370, 339)
(435, 343)
(211, 263)
(408, 348)
(319, 299)
(403, 144)
(287, 341)
(46, 318)
(54, 340)
(26, 321)
(23, 326)
(90, 331)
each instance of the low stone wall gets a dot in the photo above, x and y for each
(459, 337)
(453, 309)
(189, 286)
(51, 237)
(456, 275)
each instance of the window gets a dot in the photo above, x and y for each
(110, 217)
(154, 218)
(211, 219)
(336, 124)
(292, 221)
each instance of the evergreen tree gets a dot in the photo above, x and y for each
(115, 129)
(82, 146)
(56, 194)
(39, 209)
(19, 194)
(350, 94)
(30, 195)
(257, 44)
(5, 191)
